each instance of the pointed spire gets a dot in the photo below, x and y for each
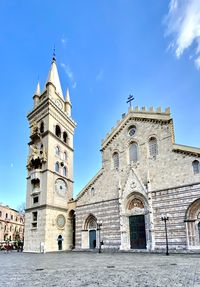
(37, 90)
(68, 105)
(36, 96)
(67, 96)
(53, 76)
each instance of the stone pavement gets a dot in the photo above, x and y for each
(79, 269)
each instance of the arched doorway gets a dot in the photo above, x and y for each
(135, 223)
(192, 220)
(89, 236)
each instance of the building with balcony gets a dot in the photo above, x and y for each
(11, 224)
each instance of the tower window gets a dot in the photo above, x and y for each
(56, 167)
(195, 165)
(0, 213)
(65, 156)
(65, 137)
(58, 131)
(115, 160)
(57, 151)
(35, 199)
(64, 171)
(34, 218)
(133, 152)
(42, 127)
(153, 147)
(35, 184)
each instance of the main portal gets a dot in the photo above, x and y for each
(137, 232)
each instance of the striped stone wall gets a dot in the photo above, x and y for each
(175, 202)
(108, 213)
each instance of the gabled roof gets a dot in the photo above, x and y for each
(139, 115)
(90, 183)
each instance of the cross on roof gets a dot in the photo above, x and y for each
(130, 99)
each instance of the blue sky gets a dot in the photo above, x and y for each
(105, 51)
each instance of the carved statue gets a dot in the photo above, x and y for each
(37, 157)
(34, 129)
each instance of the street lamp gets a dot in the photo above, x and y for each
(165, 218)
(99, 224)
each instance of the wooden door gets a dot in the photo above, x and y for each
(137, 232)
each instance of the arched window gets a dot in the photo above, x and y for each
(133, 152)
(92, 224)
(58, 131)
(42, 127)
(195, 165)
(64, 171)
(57, 150)
(153, 147)
(56, 167)
(65, 155)
(65, 136)
(115, 160)
(92, 191)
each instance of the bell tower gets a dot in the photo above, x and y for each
(50, 168)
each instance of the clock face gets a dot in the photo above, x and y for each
(60, 221)
(59, 104)
(61, 187)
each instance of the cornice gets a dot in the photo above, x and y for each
(47, 103)
(55, 173)
(174, 187)
(47, 206)
(98, 202)
(192, 151)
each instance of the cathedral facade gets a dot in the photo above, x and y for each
(145, 177)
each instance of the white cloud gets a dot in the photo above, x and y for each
(183, 24)
(99, 75)
(69, 74)
(197, 62)
(64, 40)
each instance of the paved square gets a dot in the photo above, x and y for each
(79, 269)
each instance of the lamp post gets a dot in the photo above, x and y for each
(165, 218)
(99, 224)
